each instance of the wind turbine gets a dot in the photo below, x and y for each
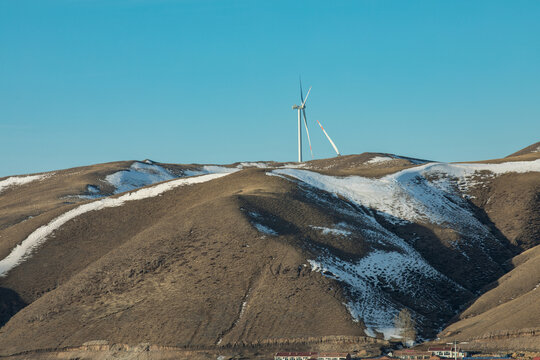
(302, 110)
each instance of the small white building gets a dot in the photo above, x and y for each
(334, 356)
(311, 356)
(295, 355)
(447, 352)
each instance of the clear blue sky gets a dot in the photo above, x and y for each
(89, 81)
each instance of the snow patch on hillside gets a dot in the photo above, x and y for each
(92, 192)
(210, 169)
(424, 193)
(259, 165)
(379, 159)
(393, 267)
(340, 229)
(22, 251)
(463, 170)
(138, 175)
(372, 278)
(391, 157)
(255, 219)
(20, 180)
(146, 173)
(429, 193)
(265, 229)
(294, 166)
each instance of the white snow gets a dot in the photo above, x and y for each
(379, 159)
(20, 180)
(92, 189)
(265, 229)
(22, 251)
(262, 228)
(138, 175)
(391, 269)
(145, 173)
(93, 193)
(391, 157)
(390, 332)
(408, 195)
(339, 230)
(293, 166)
(210, 169)
(259, 165)
(399, 268)
(458, 170)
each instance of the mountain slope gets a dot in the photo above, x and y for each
(507, 316)
(221, 256)
(174, 270)
(531, 149)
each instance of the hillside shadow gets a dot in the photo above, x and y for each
(484, 218)
(474, 260)
(10, 304)
(454, 254)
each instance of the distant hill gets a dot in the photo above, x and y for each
(252, 257)
(534, 148)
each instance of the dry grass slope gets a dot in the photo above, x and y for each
(189, 271)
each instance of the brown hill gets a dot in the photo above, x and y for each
(158, 271)
(507, 316)
(531, 149)
(247, 260)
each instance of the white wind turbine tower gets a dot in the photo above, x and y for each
(302, 110)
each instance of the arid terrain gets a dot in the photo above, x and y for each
(196, 261)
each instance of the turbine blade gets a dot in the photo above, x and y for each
(331, 142)
(301, 94)
(307, 132)
(306, 96)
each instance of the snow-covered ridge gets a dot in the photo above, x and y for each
(146, 173)
(392, 267)
(408, 195)
(429, 193)
(36, 238)
(138, 175)
(20, 180)
(372, 279)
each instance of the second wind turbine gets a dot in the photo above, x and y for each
(302, 110)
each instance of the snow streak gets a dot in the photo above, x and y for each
(138, 175)
(20, 180)
(22, 251)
